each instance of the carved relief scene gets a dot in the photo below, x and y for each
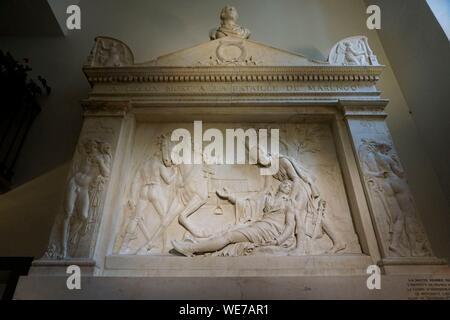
(228, 168)
(77, 223)
(223, 209)
(392, 203)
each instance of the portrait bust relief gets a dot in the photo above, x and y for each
(228, 25)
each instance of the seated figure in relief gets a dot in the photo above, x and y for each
(228, 25)
(352, 57)
(275, 228)
(310, 207)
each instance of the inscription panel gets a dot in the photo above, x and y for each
(233, 88)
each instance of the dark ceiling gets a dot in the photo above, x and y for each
(28, 18)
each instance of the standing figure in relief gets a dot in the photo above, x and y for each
(274, 228)
(154, 184)
(228, 25)
(192, 195)
(92, 165)
(311, 220)
(384, 174)
(97, 186)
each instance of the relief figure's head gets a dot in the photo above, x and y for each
(384, 148)
(285, 187)
(166, 149)
(90, 146)
(228, 16)
(105, 147)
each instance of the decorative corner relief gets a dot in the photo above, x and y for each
(228, 25)
(353, 51)
(308, 137)
(109, 52)
(392, 203)
(75, 227)
(171, 209)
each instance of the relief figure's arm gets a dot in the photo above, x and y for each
(371, 167)
(166, 175)
(232, 199)
(290, 170)
(104, 167)
(396, 169)
(136, 185)
(289, 227)
(226, 194)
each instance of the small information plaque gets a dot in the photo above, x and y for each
(428, 289)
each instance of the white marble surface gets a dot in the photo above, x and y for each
(210, 288)
(235, 82)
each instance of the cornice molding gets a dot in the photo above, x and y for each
(232, 74)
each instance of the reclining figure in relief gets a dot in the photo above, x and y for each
(275, 228)
(301, 220)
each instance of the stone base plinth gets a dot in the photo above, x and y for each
(249, 277)
(316, 287)
(248, 266)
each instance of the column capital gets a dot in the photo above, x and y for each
(363, 108)
(105, 108)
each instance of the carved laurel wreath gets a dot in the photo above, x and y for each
(220, 53)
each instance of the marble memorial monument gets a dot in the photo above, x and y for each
(338, 203)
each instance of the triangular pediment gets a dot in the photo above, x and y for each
(231, 69)
(231, 51)
(230, 46)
